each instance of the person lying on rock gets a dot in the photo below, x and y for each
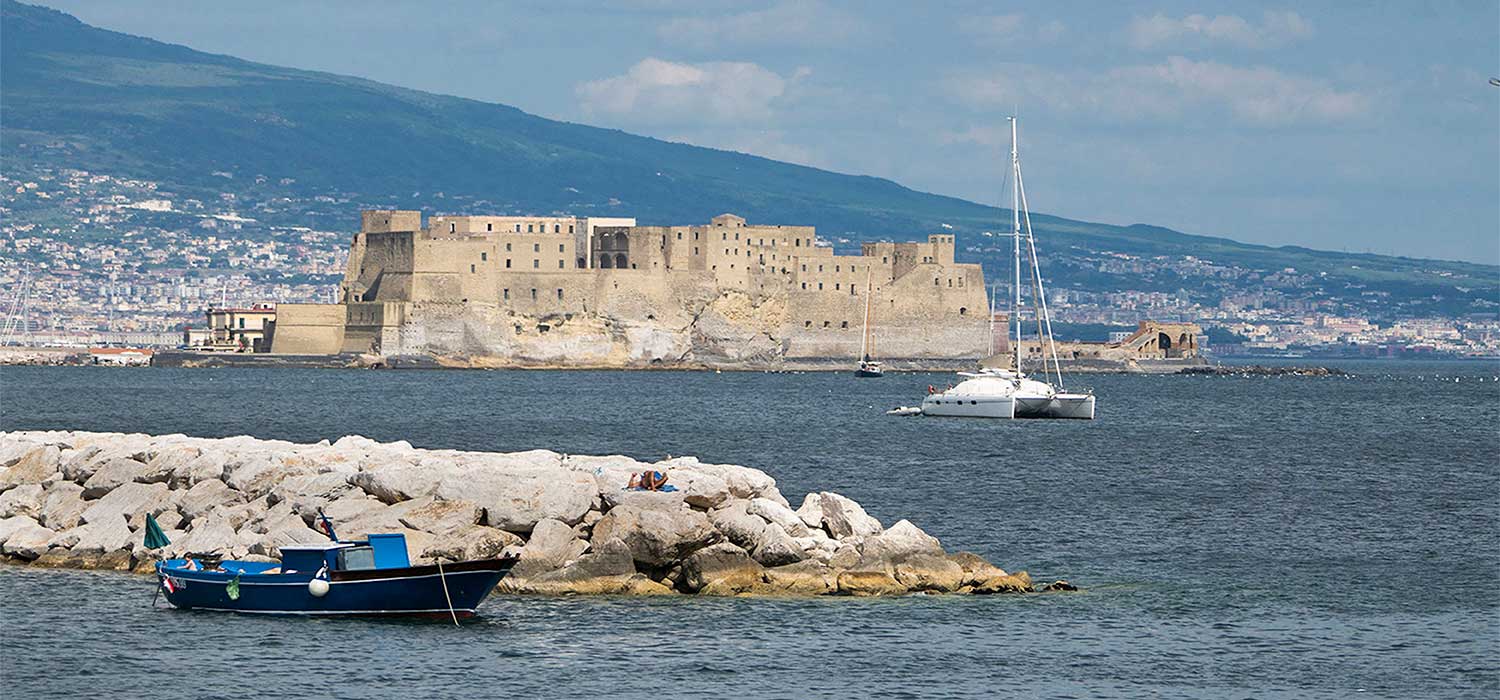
(651, 480)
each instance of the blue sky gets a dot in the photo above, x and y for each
(1366, 127)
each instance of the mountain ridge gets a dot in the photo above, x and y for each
(87, 97)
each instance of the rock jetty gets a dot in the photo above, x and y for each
(80, 499)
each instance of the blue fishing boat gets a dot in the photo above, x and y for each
(364, 577)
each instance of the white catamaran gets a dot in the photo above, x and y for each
(1010, 393)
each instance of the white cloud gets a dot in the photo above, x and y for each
(1256, 95)
(1010, 27)
(787, 23)
(1158, 31)
(663, 92)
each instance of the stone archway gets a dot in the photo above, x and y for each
(620, 261)
(604, 262)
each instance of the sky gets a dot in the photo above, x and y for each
(1354, 126)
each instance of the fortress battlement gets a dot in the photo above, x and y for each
(727, 288)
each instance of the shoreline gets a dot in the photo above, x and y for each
(79, 500)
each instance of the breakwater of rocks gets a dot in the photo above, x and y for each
(80, 499)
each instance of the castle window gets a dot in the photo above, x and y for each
(484, 256)
(537, 263)
(807, 324)
(559, 295)
(560, 248)
(471, 269)
(835, 268)
(820, 268)
(679, 235)
(963, 311)
(695, 235)
(557, 228)
(529, 228)
(560, 265)
(452, 227)
(825, 324)
(725, 237)
(820, 286)
(489, 227)
(836, 286)
(506, 293)
(736, 236)
(570, 228)
(533, 294)
(518, 228)
(935, 282)
(950, 281)
(536, 247)
(797, 242)
(882, 259)
(804, 267)
(844, 324)
(695, 250)
(507, 263)
(851, 290)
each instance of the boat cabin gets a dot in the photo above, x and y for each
(381, 551)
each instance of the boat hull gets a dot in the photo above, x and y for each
(1058, 406)
(969, 406)
(416, 590)
(869, 373)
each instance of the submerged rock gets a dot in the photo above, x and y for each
(81, 500)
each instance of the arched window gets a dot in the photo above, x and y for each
(604, 262)
(620, 261)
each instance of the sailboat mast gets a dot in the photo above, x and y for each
(864, 340)
(1015, 218)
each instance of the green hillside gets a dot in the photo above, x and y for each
(72, 95)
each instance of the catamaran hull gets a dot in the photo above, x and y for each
(970, 407)
(417, 591)
(1060, 406)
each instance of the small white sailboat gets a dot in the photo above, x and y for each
(868, 366)
(1010, 393)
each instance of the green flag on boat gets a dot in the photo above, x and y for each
(233, 589)
(155, 538)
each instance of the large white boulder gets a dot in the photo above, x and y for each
(100, 537)
(734, 521)
(396, 483)
(779, 514)
(656, 537)
(111, 475)
(63, 506)
(206, 496)
(26, 499)
(33, 467)
(129, 499)
(774, 547)
(551, 546)
(28, 542)
(13, 524)
(442, 517)
(515, 501)
(841, 517)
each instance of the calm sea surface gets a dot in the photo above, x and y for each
(1236, 537)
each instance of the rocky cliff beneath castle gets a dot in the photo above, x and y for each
(77, 499)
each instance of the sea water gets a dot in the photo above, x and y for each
(1233, 537)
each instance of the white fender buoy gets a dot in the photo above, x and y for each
(317, 587)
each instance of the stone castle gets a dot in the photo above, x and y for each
(579, 291)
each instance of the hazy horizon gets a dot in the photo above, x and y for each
(1258, 123)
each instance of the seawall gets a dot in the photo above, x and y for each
(80, 499)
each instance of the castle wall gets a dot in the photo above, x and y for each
(722, 292)
(308, 329)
